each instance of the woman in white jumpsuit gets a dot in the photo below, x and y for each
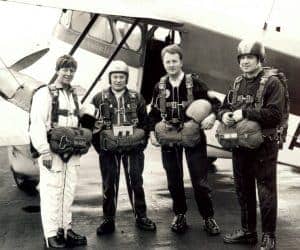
(57, 178)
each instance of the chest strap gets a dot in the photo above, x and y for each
(55, 112)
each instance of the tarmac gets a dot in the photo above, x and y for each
(20, 223)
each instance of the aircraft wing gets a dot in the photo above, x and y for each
(146, 10)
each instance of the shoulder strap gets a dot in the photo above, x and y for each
(234, 90)
(189, 88)
(54, 93)
(75, 98)
(162, 96)
(133, 104)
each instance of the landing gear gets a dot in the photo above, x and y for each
(212, 168)
(25, 184)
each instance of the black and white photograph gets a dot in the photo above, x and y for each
(153, 124)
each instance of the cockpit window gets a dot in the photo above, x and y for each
(80, 20)
(102, 30)
(166, 35)
(65, 18)
(134, 41)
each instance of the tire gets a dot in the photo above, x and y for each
(24, 183)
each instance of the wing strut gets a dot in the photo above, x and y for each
(117, 49)
(79, 40)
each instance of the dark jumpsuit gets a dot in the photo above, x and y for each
(196, 156)
(253, 167)
(133, 160)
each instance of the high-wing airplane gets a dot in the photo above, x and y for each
(97, 32)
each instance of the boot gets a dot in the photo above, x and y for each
(241, 236)
(106, 227)
(211, 226)
(57, 241)
(179, 224)
(268, 242)
(145, 223)
(74, 239)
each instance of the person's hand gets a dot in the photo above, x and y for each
(209, 121)
(227, 119)
(47, 160)
(153, 139)
(238, 115)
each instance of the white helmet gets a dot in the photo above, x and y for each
(118, 67)
(198, 110)
(248, 47)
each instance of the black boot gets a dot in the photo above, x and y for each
(211, 226)
(145, 223)
(57, 241)
(241, 236)
(74, 239)
(268, 242)
(106, 227)
(179, 224)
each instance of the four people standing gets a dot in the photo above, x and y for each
(122, 112)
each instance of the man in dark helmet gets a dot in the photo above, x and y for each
(121, 110)
(257, 97)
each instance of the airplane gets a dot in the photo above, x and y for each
(208, 31)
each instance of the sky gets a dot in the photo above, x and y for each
(24, 28)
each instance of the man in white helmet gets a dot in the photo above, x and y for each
(121, 108)
(259, 98)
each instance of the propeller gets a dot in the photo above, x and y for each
(28, 60)
(17, 87)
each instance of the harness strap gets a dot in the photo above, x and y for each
(55, 112)
(233, 92)
(162, 96)
(104, 107)
(163, 104)
(189, 88)
(133, 107)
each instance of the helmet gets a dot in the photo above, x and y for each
(118, 67)
(198, 110)
(247, 47)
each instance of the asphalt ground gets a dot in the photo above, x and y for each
(20, 223)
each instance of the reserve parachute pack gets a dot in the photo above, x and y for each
(65, 141)
(174, 132)
(121, 137)
(251, 136)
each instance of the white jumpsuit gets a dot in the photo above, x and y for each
(57, 185)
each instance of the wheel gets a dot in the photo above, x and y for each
(24, 183)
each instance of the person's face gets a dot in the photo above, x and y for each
(172, 64)
(65, 75)
(249, 63)
(118, 81)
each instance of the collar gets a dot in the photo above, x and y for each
(58, 85)
(118, 94)
(254, 75)
(176, 82)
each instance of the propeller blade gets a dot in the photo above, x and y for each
(29, 60)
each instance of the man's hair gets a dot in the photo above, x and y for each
(65, 61)
(172, 49)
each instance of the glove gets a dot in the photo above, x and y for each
(209, 121)
(47, 160)
(238, 115)
(227, 119)
(153, 139)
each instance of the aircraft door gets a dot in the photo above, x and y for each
(157, 39)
